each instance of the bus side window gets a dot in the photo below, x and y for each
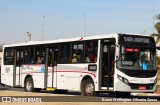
(9, 57)
(77, 53)
(64, 56)
(91, 51)
(40, 55)
(28, 55)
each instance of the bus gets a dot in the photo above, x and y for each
(0, 61)
(119, 63)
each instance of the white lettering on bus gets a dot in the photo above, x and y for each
(139, 40)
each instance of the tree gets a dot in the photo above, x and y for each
(158, 16)
(157, 27)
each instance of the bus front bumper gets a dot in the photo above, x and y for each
(134, 87)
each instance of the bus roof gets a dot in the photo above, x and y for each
(114, 35)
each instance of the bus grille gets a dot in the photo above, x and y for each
(140, 73)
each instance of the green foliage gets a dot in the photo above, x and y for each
(158, 61)
(158, 16)
(155, 35)
(157, 26)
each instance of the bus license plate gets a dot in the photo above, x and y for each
(142, 87)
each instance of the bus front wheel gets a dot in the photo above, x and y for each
(29, 85)
(88, 88)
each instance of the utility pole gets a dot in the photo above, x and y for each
(84, 24)
(29, 36)
(43, 28)
(153, 16)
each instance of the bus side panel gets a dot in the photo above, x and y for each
(37, 74)
(69, 76)
(61, 77)
(7, 75)
(38, 79)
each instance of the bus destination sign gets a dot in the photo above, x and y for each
(136, 39)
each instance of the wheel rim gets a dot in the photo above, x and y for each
(89, 89)
(29, 86)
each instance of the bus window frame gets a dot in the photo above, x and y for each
(4, 56)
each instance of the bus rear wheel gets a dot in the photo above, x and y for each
(88, 88)
(29, 85)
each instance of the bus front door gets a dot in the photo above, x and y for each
(17, 70)
(107, 64)
(50, 68)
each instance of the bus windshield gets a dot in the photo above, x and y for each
(137, 57)
(137, 52)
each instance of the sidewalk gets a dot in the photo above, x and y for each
(146, 94)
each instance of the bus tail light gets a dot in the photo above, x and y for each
(124, 80)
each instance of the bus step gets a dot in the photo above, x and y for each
(50, 89)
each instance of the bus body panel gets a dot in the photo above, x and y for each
(7, 75)
(36, 72)
(69, 76)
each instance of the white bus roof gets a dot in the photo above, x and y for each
(114, 35)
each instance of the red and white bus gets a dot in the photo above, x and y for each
(120, 63)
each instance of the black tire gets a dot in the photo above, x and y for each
(88, 88)
(123, 94)
(58, 91)
(29, 85)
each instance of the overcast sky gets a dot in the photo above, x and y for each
(65, 19)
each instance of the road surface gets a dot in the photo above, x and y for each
(74, 98)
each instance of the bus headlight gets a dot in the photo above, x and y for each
(124, 80)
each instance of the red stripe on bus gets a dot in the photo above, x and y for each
(64, 71)
(79, 72)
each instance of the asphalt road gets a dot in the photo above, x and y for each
(76, 97)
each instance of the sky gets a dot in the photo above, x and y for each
(65, 18)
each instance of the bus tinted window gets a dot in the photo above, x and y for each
(40, 55)
(91, 51)
(64, 53)
(9, 57)
(29, 55)
(77, 53)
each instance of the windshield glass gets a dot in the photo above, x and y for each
(137, 57)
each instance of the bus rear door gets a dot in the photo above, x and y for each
(17, 68)
(50, 67)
